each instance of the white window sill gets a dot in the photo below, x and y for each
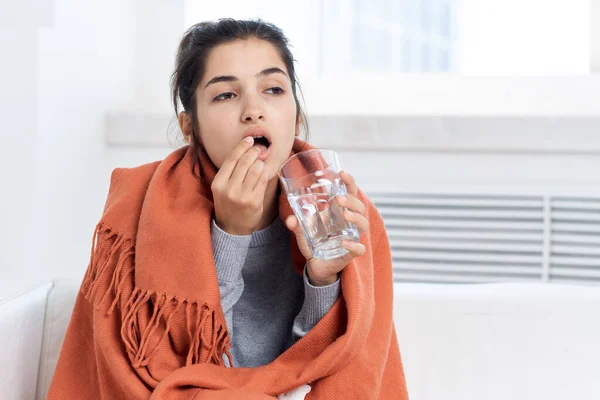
(399, 133)
(425, 112)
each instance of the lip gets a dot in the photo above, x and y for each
(265, 154)
(258, 131)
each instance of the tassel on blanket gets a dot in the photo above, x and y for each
(204, 327)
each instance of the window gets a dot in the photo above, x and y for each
(387, 36)
(480, 37)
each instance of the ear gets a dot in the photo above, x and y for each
(185, 124)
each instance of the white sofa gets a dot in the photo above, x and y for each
(463, 342)
(499, 341)
(33, 322)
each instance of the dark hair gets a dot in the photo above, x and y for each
(192, 56)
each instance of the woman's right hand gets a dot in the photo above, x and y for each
(239, 190)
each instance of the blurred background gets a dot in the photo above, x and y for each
(474, 126)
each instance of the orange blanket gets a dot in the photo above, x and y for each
(148, 320)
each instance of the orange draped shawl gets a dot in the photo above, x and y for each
(148, 322)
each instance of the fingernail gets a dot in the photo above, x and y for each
(249, 139)
(342, 198)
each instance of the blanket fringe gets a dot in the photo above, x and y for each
(204, 327)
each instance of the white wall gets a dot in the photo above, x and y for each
(18, 110)
(76, 58)
(62, 71)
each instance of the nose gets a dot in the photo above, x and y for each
(253, 110)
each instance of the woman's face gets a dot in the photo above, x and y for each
(246, 85)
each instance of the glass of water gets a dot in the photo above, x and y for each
(311, 180)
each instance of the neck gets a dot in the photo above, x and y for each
(270, 204)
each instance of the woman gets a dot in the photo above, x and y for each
(200, 283)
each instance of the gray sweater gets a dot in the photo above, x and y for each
(267, 305)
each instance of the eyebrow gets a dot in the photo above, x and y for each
(231, 78)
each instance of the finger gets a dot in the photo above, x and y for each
(261, 183)
(230, 162)
(252, 176)
(352, 203)
(293, 225)
(291, 222)
(360, 221)
(349, 182)
(243, 165)
(355, 249)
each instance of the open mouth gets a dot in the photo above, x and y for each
(262, 143)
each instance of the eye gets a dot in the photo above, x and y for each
(224, 96)
(278, 90)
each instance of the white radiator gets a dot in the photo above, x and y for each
(462, 238)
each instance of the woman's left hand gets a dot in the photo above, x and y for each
(325, 272)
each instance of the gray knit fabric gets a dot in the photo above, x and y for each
(267, 305)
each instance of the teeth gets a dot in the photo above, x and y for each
(260, 137)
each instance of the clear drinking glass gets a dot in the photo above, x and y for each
(311, 180)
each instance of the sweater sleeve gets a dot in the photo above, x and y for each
(230, 253)
(317, 302)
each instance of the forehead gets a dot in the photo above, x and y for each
(242, 58)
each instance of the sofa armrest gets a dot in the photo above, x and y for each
(58, 314)
(21, 332)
